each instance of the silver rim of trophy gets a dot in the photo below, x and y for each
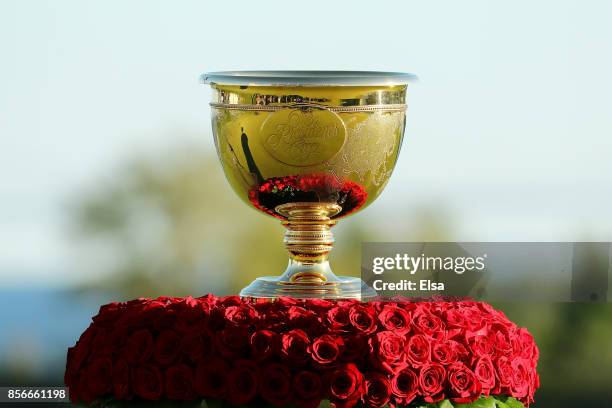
(308, 78)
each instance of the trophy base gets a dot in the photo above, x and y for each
(345, 287)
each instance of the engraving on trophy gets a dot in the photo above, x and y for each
(303, 136)
(370, 144)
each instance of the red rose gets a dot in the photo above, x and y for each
(101, 344)
(208, 301)
(505, 373)
(271, 317)
(440, 304)
(167, 347)
(362, 318)
(419, 350)
(162, 317)
(459, 349)
(99, 374)
(319, 305)
(262, 344)
(242, 382)
(275, 384)
(427, 323)
(148, 382)
(474, 320)
(481, 345)
(189, 313)
(108, 314)
(139, 347)
(117, 339)
(463, 385)
(284, 302)
(294, 346)
(345, 386)
(387, 350)
(502, 343)
(455, 318)
(355, 347)
(210, 378)
(300, 317)
(431, 382)
(179, 383)
(395, 319)
(338, 318)
(525, 343)
(520, 378)
(444, 352)
(485, 372)
(82, 348)
(486, 308)
(307, 388)
(498, 318)
(242, 315)
(326, 349)
(377, 390)
(233, 300)
(404, 386)
(121, 380)
(197, 345)
(232, 342)
(216, 318)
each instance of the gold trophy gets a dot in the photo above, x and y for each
(309, 148)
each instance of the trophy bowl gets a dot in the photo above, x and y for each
(309, 148)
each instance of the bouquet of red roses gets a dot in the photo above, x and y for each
(300, 352)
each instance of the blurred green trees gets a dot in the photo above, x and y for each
(169, 224)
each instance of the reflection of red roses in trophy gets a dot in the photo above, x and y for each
(318, 187)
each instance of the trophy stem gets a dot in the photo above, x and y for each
(308, 240)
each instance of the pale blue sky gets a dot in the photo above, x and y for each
(509, 127)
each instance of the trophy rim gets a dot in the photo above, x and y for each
(308, 78)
